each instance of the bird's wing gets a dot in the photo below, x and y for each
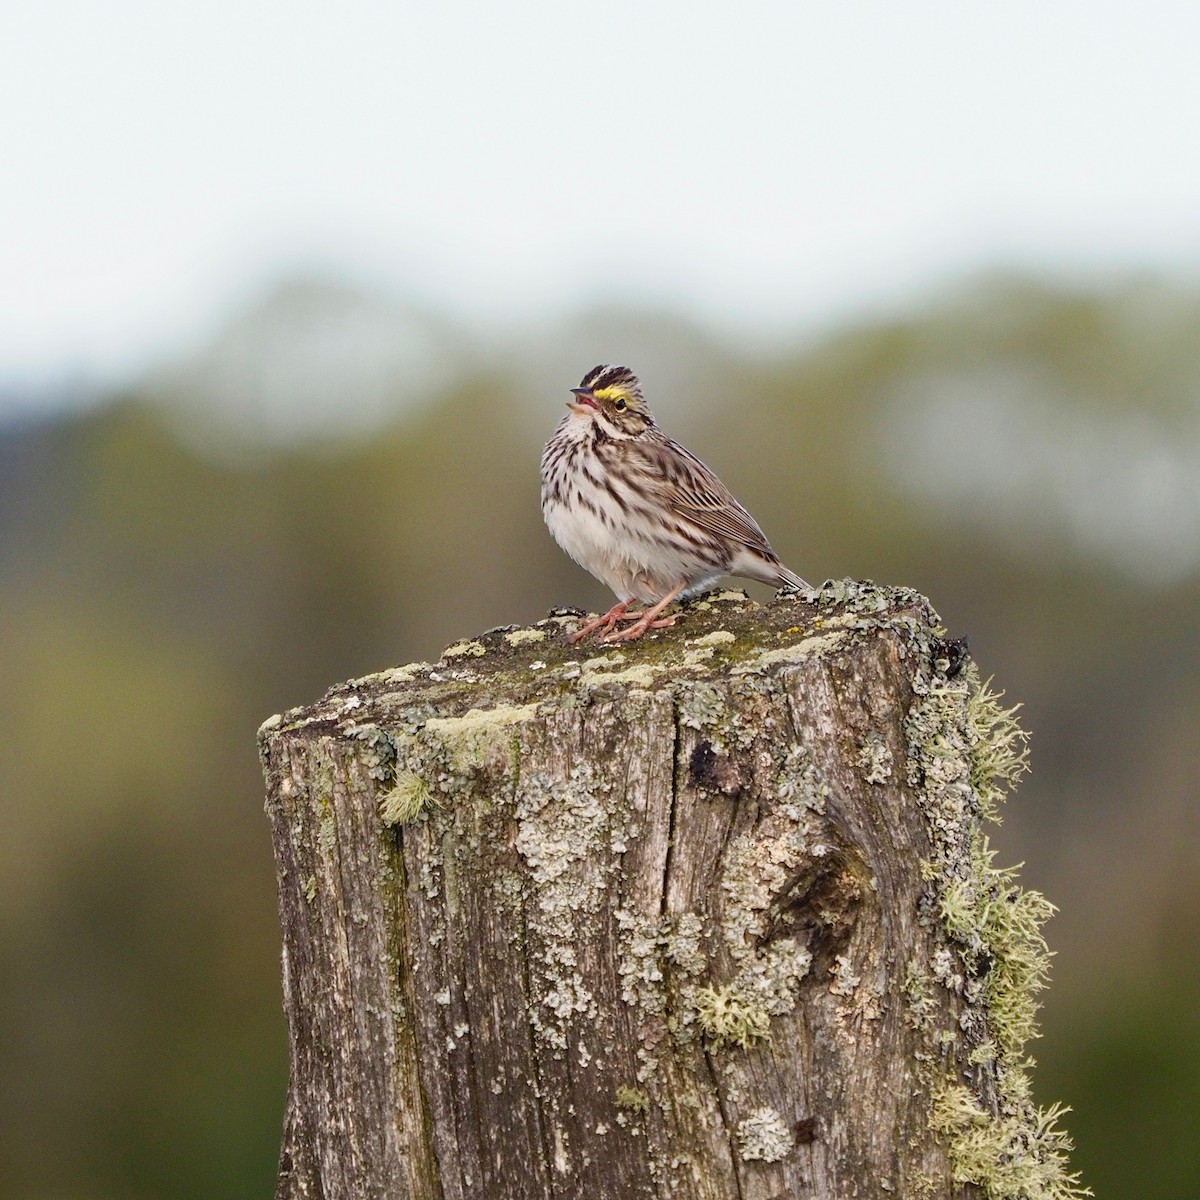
(684, 485)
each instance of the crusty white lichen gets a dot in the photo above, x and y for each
(563, 835)
(649, 949)
(875, 758)
(737, 1011)
(764, 1135)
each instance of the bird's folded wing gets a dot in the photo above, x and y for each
(729, 520)
(689, 489)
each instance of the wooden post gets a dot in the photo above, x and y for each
(710, 915)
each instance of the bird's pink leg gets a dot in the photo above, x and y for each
(606, 622)
(647, 619)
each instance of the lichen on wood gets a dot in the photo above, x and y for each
(709, 915)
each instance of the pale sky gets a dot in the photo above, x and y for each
(761, 165)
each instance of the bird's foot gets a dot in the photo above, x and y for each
(649, 619)
(638, 628)
(604, 623)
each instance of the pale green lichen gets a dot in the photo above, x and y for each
(642, 675)
(600, 669)
(848, 620)
(380, 755)
(605, 659)
(519, 637)
(633, 1099)
(409, 799)
(696, 657)
(729, 1019)
(327, 829)
(393, 675)
(998, 924)
(921, 1005)
(681, 943)
(639, 963)
(983, 1054)
(718, 637)
(406, 673)
(471, 739)
(1013, 1156)
(465, 649)
(645, 672)
(764, 1135)
(646, 946)
(999, 746)
(793, 653)
(758, 866)
(965, 751)
(648, 949)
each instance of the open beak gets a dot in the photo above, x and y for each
(584, 402)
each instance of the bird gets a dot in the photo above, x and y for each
(641, 513)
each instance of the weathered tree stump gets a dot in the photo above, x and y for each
(710, 915)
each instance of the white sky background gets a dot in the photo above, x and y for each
(759, 165)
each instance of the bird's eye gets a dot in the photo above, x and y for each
(620, 405)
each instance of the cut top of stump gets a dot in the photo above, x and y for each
(722, 633)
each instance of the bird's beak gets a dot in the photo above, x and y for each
(584, 402)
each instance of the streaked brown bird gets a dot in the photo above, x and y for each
(641, 513)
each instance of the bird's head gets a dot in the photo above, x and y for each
(612, 396)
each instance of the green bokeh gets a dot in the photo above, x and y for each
(160, 601)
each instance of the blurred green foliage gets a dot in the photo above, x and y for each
(160, 601)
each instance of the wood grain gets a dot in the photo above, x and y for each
(667, 926)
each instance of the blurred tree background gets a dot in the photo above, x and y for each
(340, 482)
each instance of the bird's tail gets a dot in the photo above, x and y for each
(789, 579)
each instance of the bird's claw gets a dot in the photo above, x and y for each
(637, 630)
(603, 623)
